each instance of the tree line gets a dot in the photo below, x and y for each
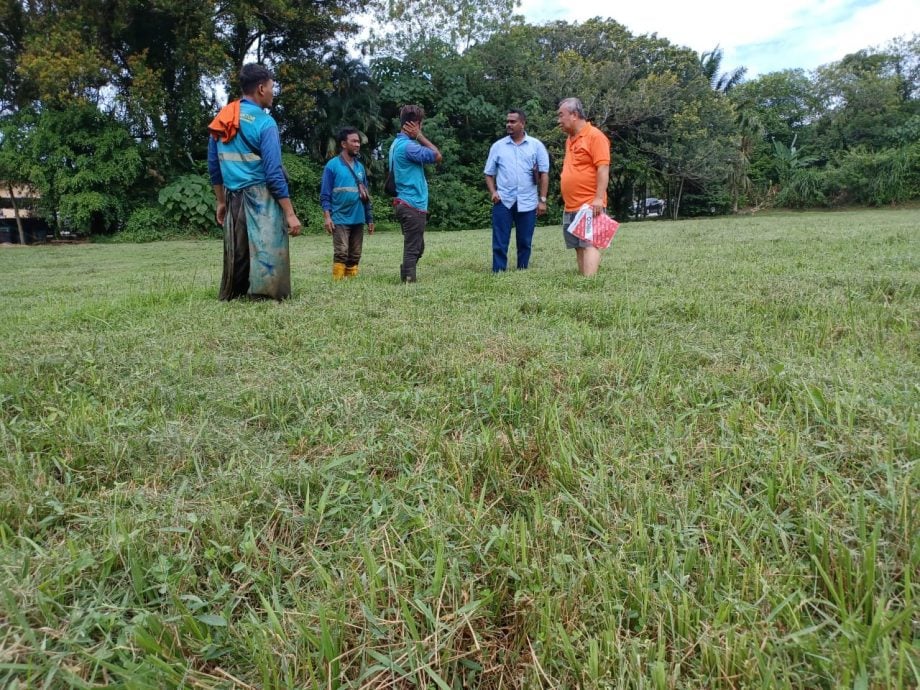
(104, 107)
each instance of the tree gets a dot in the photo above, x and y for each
(748, 132)
(711, 65)
(12, 35)
(866, 97)
(84, 164)
(696, 149)
(14, 169)
(351, 98)
(400, 25)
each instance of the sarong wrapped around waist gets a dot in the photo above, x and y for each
(256, 257)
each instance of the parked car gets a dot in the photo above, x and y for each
(653, 206)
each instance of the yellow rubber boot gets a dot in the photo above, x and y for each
(351, 271)
(338, 271)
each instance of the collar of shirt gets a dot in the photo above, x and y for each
(583, 132)
(509, 140)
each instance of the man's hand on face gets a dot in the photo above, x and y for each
(412, 129)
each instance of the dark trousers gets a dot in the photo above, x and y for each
(412, 221)
(524, 223)
(347, 242)
(235, 280)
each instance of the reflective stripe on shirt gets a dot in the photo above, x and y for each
(238, 157)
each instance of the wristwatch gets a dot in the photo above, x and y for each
(542, 199)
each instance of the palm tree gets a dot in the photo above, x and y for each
(351, 100)
(749, 131)
(710, 64)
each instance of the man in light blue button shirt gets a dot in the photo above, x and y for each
(514, 163)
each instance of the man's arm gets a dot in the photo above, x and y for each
(221, 197)
(289, 216)
(414, 131)
(325, 197)
(544, 190)
(543, 169)
(270, 144)
(217, 181)
(603, 177)
(490, 185)
(367, 203)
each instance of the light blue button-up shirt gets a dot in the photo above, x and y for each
(512, 167)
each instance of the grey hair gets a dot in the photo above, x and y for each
(573, 105)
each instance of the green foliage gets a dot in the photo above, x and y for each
(149, 224)
(400, 25)
(802, 189)
(304, 178)
(878, 178)
(454, 205)
(190, 205)
(677, 124)
(789, 161)
(85, 164)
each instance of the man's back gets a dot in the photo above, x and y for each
(407, 161)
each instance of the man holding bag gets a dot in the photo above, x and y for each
(585, 173)
(346, 205)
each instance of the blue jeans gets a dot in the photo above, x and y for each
(524, 223)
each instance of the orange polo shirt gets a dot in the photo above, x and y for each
(583, 153)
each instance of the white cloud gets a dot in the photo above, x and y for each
(762, 36)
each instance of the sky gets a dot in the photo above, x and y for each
(762, 36)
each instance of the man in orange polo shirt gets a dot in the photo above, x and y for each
(585, 173)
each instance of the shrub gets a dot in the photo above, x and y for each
(189, 203)
(148, 224)
(806, 187)
(877, 178)
(456, 206)
(304, 177)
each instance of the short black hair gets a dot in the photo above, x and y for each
(346, 132)
(520, 113)
(411, 113)
(252, 75)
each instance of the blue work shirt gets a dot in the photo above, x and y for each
(407, 161)
(236, 165)
(512, 165)
(339, 193)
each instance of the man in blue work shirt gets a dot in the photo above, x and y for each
(409, 154)
(515, 164)
(346, 205)
(253, 200)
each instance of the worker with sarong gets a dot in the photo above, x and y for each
(253, 200)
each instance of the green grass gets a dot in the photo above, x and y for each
(698, 470)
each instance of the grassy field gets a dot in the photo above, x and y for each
(701, 469)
